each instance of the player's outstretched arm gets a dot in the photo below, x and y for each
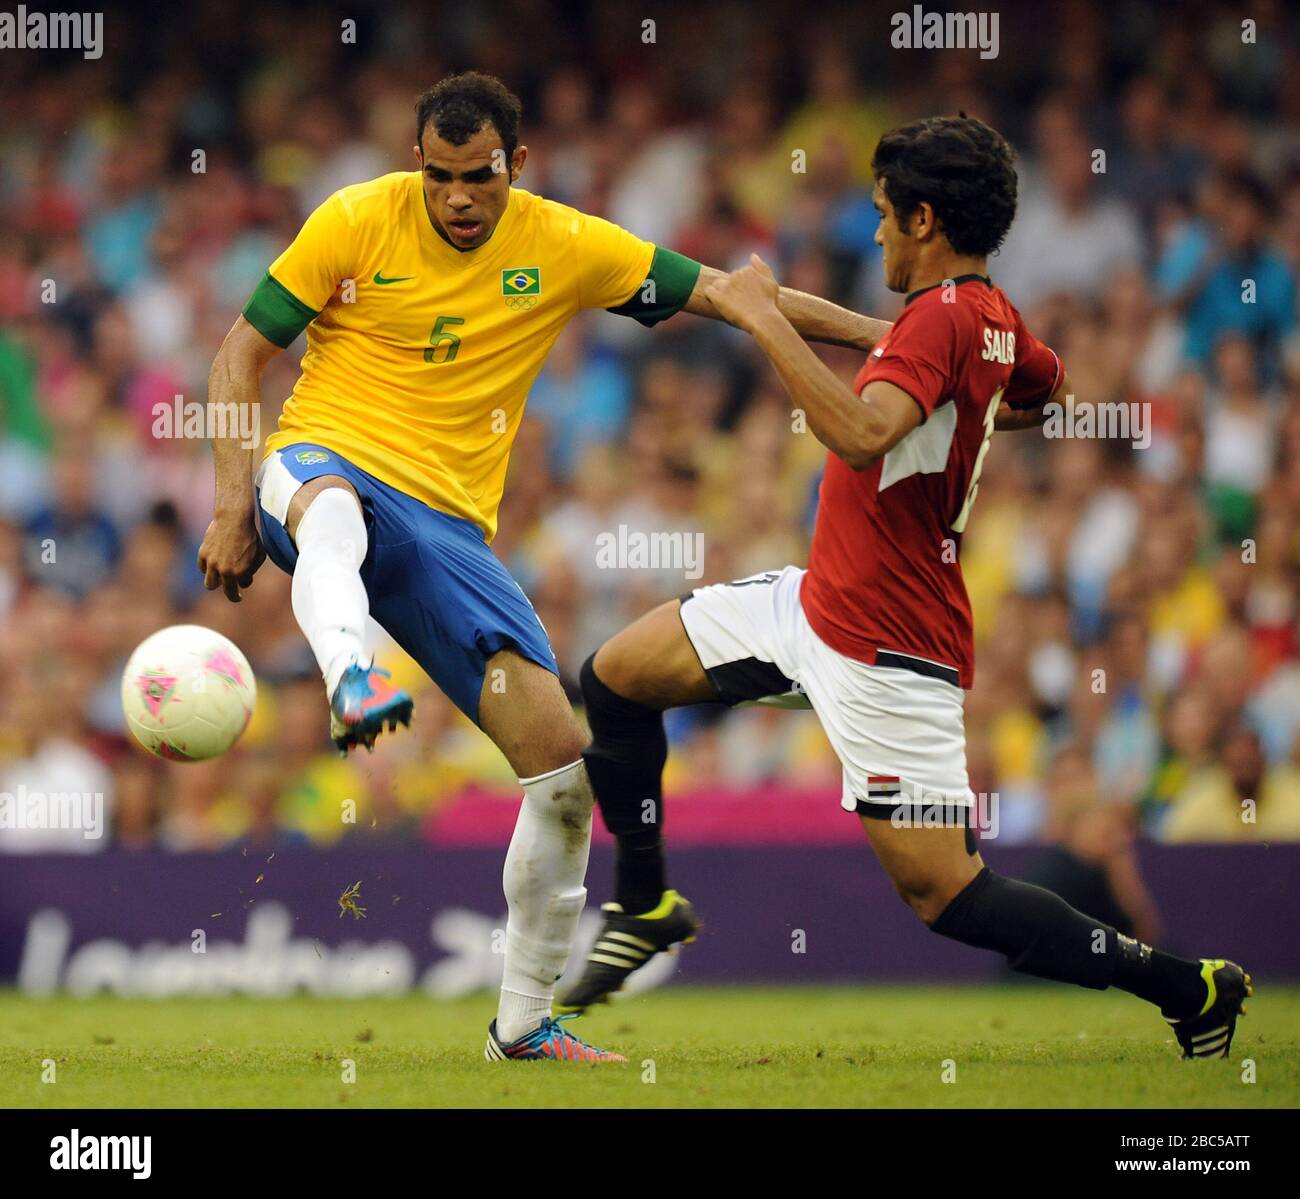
(810, 316)
(232, 551)
(858, 430)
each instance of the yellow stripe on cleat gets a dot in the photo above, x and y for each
(1208, 968)
(666, 903)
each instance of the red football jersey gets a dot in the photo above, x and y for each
(883, 574)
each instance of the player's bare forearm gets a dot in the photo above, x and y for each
(233, 463)
(1010, 420)
(855, 431)
(810, 316)
(820, 320)
(234, 385)
(231, 550)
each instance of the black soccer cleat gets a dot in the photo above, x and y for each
(625, 944)
(1209, 1032)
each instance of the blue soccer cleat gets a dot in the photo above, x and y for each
(362, 704)
(549, 1042)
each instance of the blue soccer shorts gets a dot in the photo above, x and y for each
(434, 583)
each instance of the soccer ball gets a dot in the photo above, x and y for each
(188, 693)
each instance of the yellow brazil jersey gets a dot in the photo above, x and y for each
(420, 356)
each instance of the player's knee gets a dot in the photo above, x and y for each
(523, 708)
(330, 498)
(928, 890)
(542, 747)
(607, 670)
(564, 736)
(918, 893)
(613, 718)
(570, 741)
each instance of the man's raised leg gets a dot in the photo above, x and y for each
(646, 668)
(331, 605)
(652, 665)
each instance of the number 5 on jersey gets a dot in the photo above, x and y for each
(443, 344)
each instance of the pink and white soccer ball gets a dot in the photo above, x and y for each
(188, 693)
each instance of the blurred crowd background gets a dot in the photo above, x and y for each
(1137, 609)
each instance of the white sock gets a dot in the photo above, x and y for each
(545, 866)
(329, 599)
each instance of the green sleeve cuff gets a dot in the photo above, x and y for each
(276, 313)
(666, 289)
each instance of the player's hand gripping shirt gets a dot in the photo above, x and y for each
(883, 572)
(420, 356)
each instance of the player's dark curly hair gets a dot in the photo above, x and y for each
(461, 105)
(962, 168)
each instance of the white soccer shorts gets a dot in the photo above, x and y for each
(899, 734)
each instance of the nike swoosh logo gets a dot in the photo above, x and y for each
(379, 278)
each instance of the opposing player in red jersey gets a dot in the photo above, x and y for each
(876, 635)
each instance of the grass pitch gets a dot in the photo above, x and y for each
(1009, 1046)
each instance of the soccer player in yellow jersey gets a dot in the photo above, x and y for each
(430, 300)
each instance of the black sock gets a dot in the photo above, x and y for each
(625, 762)
(641, 871)
(1173, 984)
(1042, 935)
(1039, 932)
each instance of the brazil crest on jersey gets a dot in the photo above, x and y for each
(420, 356)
